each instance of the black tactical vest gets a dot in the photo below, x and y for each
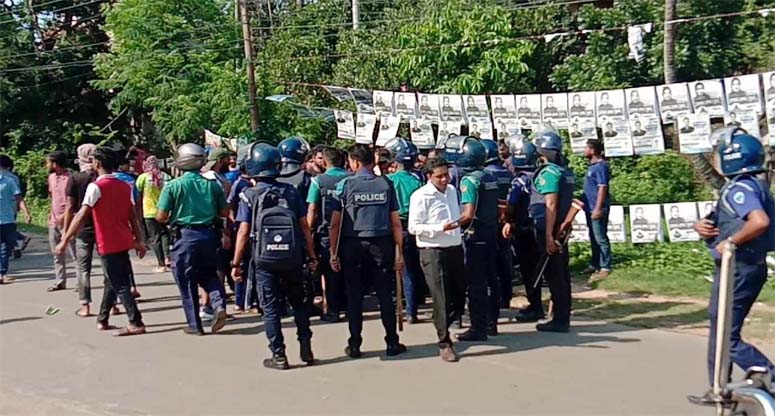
(366, 206)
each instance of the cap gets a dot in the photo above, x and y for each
(215, 155)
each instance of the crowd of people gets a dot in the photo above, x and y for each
(302, 232)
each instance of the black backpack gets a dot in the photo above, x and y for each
(276, 236)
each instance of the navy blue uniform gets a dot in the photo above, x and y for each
(738, 198)
(504, 264)
(301, 180)
(524, 239)
(336, 295)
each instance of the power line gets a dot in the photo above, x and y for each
(48, 66)
(55, 81)
(68, 48)
(58, 10)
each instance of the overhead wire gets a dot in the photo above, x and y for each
(57, 10)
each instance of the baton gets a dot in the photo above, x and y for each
(399, 297)
(723, 323)
(565, 231)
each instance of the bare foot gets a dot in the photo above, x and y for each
(84, 311)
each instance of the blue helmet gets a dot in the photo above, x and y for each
(739, 152)
(452, 148)
(293, 151)
(263, 161)
(403, 151)
(490, 150)
(472, 154)
(524, 154)
(548, 140)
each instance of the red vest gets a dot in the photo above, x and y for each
(111, 216)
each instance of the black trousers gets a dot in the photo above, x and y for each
(444, 270)
(557, 275)
(483, 286)
(336, 294)
(117, 269)
(159, 240)
(528, 255)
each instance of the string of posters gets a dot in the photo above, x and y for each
(630, 120)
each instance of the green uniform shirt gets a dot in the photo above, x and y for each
(192, 200)
(405, 184)
(548, 180)
(313, 195)
(469, 190)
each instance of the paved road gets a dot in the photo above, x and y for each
(60, 365)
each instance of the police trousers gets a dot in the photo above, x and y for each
(483, 286)
(750, 276)
(528, 255)
(364, 260)
(557, 275)
(504, 270)
(194, 264)
(273, 289)
(336, 294)
(413, 278)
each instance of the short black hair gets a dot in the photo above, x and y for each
(434, 163)
(319, 148)
(59, 157)
(333, 156)
(6, 162)
(596, 146)
(362, 153)
(107, 158)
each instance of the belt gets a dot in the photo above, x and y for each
(196, 226)
(439, 248)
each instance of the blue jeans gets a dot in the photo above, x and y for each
(273, 288)
(7, 244)
(601, 247)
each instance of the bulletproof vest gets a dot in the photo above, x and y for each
(419, 175)
(367, 206)
(300, 180)
(537, 205)
(522, 183)
(327, 185)
(503, 177)
(728, 222)
(486, 213)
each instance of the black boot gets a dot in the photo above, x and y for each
(527, 315)
(277, 362)
(395, 349)
(353, 352)
(553, 326)
(471, 335)
(305, 346)
(492, 330)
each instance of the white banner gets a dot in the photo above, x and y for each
(503, 107)
(480, 127)
(645, 223)
(451, 109)
(528, 110)
(448, 127)
(345, 126)
(554, 110)
(406, 105)
(769, 94)
(616, 136)
(743, 93)
(476, 106)
(646, 131)
(421, 132)
(388, 128)
(708, 97)
(680, 221)
(673, 99)
(383, 103)
(507, 127)
(364, 128)
(642, 101)
(363, 100)
(429, 107)
(747, 119)
(694, 133)
(579, 228)
(616, 230)
(583, 125)
(610, 104)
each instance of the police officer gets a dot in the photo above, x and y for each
(365, 216)
(519, 226)
(551, 195)
(293, 152)
(274, 216)
(404, 156)
(192, 205)
(479, 222)
(743, 219)
(504, 261)
(320, 199)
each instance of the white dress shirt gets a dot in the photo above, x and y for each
(429, 211)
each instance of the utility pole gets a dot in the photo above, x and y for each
(247, 39)
(356, 14)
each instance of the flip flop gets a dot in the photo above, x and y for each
(78, 314)
(105, 327)
(127, 331)
(56, 288)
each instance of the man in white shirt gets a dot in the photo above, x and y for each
(434, 218)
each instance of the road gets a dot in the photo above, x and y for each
(60, 364)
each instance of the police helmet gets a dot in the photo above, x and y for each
(403, 151)
(738, 151)
(263, 161)
(490, 150)
(453, 148)
(548, 140)
(293, 151)
(523, 154)
(243, 153)
(190, 156)
(472, 154)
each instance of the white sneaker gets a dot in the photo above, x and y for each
(8, 279)
(206, 316)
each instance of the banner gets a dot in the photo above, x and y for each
(448, 127)
(743, 93)
(476, 106)
(364, 128)
(388, 128)
(582, 120)
(579, 228)
(429, 107)
(694, 133)
(213, 140)
(421, 132)
(646, 131)
(747, 119)
(642, 101)
(708, 97)
(363, 100)
(406, 105)
(383, 103)
(507, 127)
(345, 127)
(528, 110)
(451, 109)
(769, 94)
(339, 93)
(503, 107)
(554, 110)
(616, 230)
(705, 208)
(673, 99)
(680, 221)
(645, 223)
(480, 127)
(610, 104)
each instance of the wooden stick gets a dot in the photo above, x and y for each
(399, 296)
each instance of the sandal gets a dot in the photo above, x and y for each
(80, 315)
(115, 311)
(129, 330)
(56, 288)
(104, 326)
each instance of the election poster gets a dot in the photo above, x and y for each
(705, 208)
(388, 128)
(507, 127)
(579, 228)
(421, 131)
(503, 107)
(429, 107)
(339, 93)
(480, 127)
(383, 103)
(642, 101)
(616, 136)
(406, 105)
(694, 133)
(646, 223)
(364, 128)
(747, 119)
(446, 128)
(554, 110)
(528, 110)
(743, 93)
(673, 99)
(581, 130)
(646, 131)
(616, 229)
(476, 106)
(345, 126)
(680, 221)
(708, 97)
(363, 100)
(610, 104)
(451, 109)
(769, 95)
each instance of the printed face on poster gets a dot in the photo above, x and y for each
(480, 127)
(507, 127)
(616, 136)
(451, 108)
(476, 106)
(406, 105)
(582, 105)
(345, 126)
(680, 221)
(383, 103)
(646, 131)
(610, 104)
(743, 93)
(503, 107)
(708, 97)
(641, 101)
(693, 133)
(747, 119)
(579, 228)
(581, 130)
(364, 128)
(528, 110)
(388, 128)
(554, 110)
(646, 223)
(446, 128)
(421, 131)
(429, 107)
(616, 230)
(769, 95)
(363, 100)
(673, 99)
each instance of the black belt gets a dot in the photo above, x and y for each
(196, 227)
(440, 248)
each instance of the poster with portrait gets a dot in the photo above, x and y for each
(383, 103)
(388, 128)
(340, 94)
(680, 218)
(769, 97)
(528, 110)
(610, 104)
(705, 208)
(451, 109)
(581, 130)
(406, 105)
(446, 128)
(579, 228)
(364, 128)
(503, 107)
(673, 99)
(363, 100)
(507, 127)
(743, 93)
(747, 119)
(693, 133)
(642, 101)
(429, 107)
(421, 132)
(646, 131)
(345, 125)
(554, 110)
(616, 136)
(646, 223)
(708, 97)
(616, 229)
(476, 106)
(480, 127)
